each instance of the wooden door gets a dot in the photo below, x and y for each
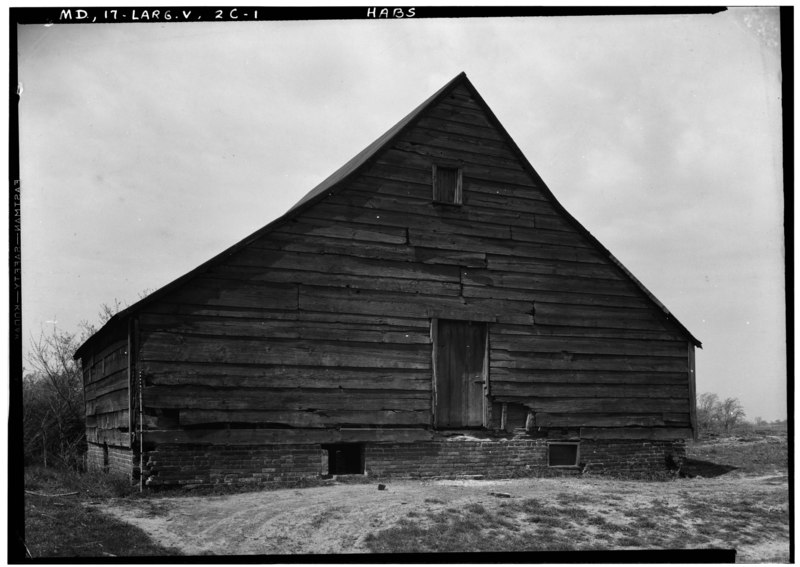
(460, 373)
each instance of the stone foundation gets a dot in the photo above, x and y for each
(110, 459)
(443, 457)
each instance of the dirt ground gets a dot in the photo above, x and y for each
(337, 518)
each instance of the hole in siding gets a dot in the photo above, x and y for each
(562, 454)
(105, 457)
(345, 458)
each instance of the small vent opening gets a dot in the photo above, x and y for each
(562, 454)
(345, 458)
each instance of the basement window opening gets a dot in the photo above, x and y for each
(562, 454)
(446, 185)
(345, 458)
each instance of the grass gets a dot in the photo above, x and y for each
(609, 519)
(538, 525)
(748, 454)
(66, 526)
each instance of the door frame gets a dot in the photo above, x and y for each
(434, 365)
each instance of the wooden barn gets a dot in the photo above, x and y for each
(430, 309)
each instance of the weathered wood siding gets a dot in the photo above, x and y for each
(106, 394)
(325, 320)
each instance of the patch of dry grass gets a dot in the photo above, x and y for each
(563, 524)
(65, 526)
(748, 454)
(751, 517)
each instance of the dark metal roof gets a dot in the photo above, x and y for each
(350, 169)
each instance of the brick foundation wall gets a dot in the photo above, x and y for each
(119, 460)
(514, 456)
(631, 457)
(186, 464)
(457, 456)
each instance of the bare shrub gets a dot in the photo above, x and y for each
(52, 403)
(53, 412)
(715, 416)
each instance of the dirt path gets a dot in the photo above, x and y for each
(330, 519)
(336, 519)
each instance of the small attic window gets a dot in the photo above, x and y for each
(446, 184)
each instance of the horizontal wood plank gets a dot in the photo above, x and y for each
(197, 397)
(417, 211)
(572, 376)
(283, 329)
(598, 405)
(369, 302)
(431, 152)
(227, 375)
(649, 433)
(503, 263)
(530, 206)
(526, 344)
(341, 264)
(549, 283)
(111, 437)
(658, 419)
(611, 333)
(107, 384)
(454, 146)
(312, 419)
(553, 222)
(286, 436)
(230, 292)
(518, 192)
(350, 232)
(364, 208)
(307, 277)
(545, 390)
(113, 420)
(444, 122)
(106, 403)
(306, 315)
(462, 113)
(561, 297)
(320, 245)
(564, 315)
(568, 361)
(437, 138)
(186, 348)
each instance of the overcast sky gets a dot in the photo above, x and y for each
(146, 149)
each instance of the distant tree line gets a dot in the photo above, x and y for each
(724, 417)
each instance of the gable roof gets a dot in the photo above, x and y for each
(352, 168)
